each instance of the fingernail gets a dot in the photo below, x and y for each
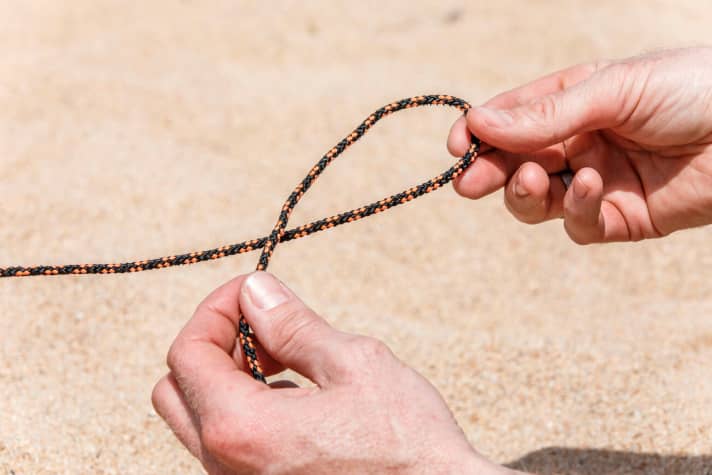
(265, 291)
(519, 189)
(494, 117)
(580, 189)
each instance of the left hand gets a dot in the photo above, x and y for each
(368, 413)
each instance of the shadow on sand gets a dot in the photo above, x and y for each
(574, 461)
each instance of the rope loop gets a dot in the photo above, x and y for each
(280, 233)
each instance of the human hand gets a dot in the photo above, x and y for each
(369, 413)
(637, 133)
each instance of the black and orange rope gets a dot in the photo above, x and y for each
(279, 232)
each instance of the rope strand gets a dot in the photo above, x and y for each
(280, 233)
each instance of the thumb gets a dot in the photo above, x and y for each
(552, 118)
(289, 331)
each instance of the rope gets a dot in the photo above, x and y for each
(280, 233)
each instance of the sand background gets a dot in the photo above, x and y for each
(138, 129)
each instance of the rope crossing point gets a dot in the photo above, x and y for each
(279, 232)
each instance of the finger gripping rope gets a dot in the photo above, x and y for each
(279, 232)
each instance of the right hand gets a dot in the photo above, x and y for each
(637, 133)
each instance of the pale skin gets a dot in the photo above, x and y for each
(638, 135)
(368, 413)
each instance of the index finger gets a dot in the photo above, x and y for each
(554, 82)
(459, 136)
(200, 357)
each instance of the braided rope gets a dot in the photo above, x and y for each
(279, 232)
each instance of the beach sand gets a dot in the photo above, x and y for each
(131, 130)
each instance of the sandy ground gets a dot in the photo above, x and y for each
(139, 129)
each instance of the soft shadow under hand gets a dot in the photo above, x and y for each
(576, 461)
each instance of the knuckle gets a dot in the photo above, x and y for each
(543, 108)
(452, 148)
(618, 87)
(368, 351)
(464, 191)
(467, 189)
(598, 65)
(178, 356)
(227, 438)
(529, 218)
(617, 73)
(159, 393)
(175, 355)
(208, 306)
(527, 213)
(217, 437)
(580, 238)
(294, 326)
